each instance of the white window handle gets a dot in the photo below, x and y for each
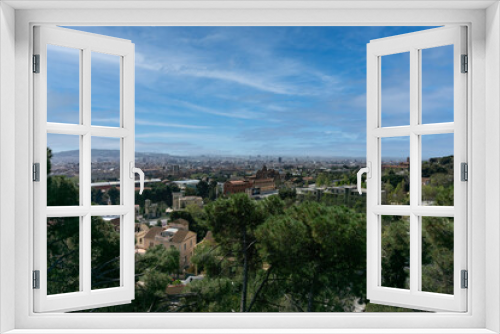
(368, 171)
(134, 170)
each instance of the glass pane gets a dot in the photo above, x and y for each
(395, 94)
(105, 234)
(396, 252)
(395, 171)
(63, 255)
(437, 170)
(105, 171)
(63, 169)
(63, 84)
(105, 89)
(437, 254)
(437, 84)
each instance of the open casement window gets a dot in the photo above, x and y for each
(411, 110)
(84, 252)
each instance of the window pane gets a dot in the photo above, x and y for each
(63, 170)
(437, 84)
(395, 180)
(437, 170)
(396, 252)
(63, 84)
(437, 254)
(105, 171)
(105, 234)
(105, 89)
(395, 95)
(63, 255)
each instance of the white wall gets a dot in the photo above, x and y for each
(7, 158)
(492, 147)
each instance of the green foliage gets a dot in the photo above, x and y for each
(384, 308)
(268, 256)
(97, 196)
(62, 191)
(105, 254)
(210, 260)
(63, 255)
(395, 251)
(49, 161)
(233, 222)
(196, 218)
(287, 193)
(190, 192)
(437, 254)
(221, 294)
(212, 192)
(114, 196)
(309, 248)
(203, 189)
(159, 192)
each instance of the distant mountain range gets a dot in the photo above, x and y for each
(114, 156)
(100, 156)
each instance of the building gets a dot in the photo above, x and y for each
(176, 235)
(180, 201)
(151, 210)
(264, 181)
(186, 184)
(265, 173)
(184, 241)
(234, 187)
(264, 185)
(402, 165)
(180, 224)
(140, 232)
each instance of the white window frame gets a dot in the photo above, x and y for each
(481, 17)
(413, 44)
(86, 43)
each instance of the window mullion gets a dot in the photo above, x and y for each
(86, 247)
(415, 269)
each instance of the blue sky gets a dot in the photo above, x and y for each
(278, 91)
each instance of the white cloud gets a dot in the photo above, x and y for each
(169, 125)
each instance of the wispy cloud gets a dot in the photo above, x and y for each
(241, 114)
(170, 135)
(272, 74)
(256, 90)
(169, 125)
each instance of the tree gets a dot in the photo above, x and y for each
(212, 193)
(154, 272)
(196, 219)
(203, 189)
(190, 192)
(395, 251)
(287, 193)
(317, 254)
(96, 195)
(233, 222)
(105, 254)
(63, 254)
(114, 196)
(62, 191)
(437, 254)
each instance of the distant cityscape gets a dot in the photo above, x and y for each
(105, 164)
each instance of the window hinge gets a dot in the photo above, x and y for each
(36, 172)
(465, 64)
(36, 279)
(36, 63)
(464, 171)
(465, 279)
